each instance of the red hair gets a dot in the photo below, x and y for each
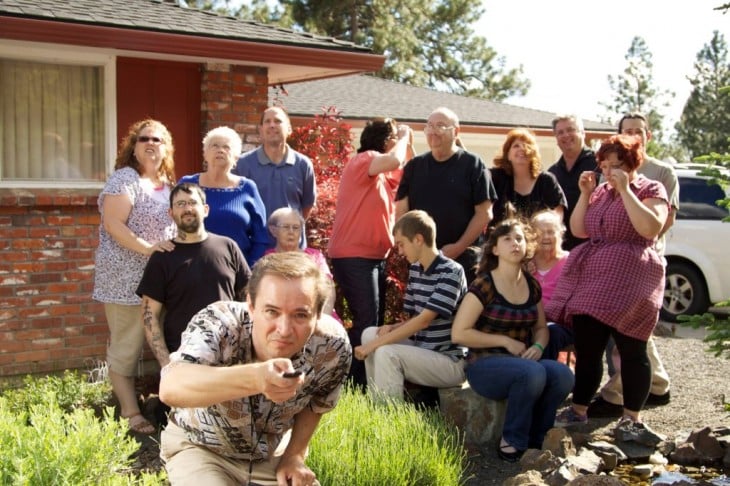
(528, 138)
(626, 147)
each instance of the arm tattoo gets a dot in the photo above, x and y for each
(153, 330)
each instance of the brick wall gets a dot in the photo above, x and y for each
(47, 318)
(234, 96)
(48, 239)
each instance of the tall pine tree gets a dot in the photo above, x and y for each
(704, 126)
(635, 91)
(427, 43)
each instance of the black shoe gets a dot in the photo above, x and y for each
(658, 399)
(600, 408)
(508, 456)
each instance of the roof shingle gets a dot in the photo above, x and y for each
(155, 15)
(365, 97)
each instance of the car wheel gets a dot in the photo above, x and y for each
(684, 292)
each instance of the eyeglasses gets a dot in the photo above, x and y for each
(145, 139)
(183, 204)
(289, 227)
(437, 129)
(220, 146)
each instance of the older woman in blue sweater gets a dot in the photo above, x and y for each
(236, 208)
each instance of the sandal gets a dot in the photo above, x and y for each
(506, 455)
(140, 425)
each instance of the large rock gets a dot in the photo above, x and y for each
(529, 478)
(701, 447)
(479, 419)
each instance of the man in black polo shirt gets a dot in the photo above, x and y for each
(576, 158)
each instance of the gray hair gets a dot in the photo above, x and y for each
(282, 212)
(234, 139)
(571, 118)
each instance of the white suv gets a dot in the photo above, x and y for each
(698, 267)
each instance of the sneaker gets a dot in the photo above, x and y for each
(658, 400)
(627, 430)
(568, 417)
(600, 408)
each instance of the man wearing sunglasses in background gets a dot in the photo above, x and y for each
(453, 186)
(202, 269)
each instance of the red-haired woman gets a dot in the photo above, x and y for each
(135, 222)
(519, 179)
(613, 284)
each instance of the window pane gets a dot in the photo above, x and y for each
(51, 122)
(698, 199)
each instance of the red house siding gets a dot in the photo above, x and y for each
(48, 238)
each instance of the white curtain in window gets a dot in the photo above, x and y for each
(51, 122)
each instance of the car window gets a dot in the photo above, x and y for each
(697, 199)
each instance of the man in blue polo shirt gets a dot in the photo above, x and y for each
(285, 178)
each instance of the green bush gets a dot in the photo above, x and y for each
(367, 443)
(56, 431)
(70, 391)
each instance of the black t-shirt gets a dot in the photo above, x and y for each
(191, 277)
(546, 194)
(447, 191)
(568, 180)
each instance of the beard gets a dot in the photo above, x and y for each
(191, 226)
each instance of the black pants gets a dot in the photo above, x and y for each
(591, 336)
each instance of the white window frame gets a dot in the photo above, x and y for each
(72, 55)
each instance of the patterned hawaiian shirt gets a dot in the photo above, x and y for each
(220, 335)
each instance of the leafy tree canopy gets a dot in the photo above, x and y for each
(429, 43)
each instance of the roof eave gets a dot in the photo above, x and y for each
(248, 52)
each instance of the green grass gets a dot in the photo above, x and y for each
(367, 443)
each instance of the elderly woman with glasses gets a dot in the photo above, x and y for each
(236, 208)
(135, 222)
(286, 225)
(613, 284)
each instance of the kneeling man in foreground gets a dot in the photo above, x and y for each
(250, 382)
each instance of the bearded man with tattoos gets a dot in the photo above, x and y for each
(202, 269)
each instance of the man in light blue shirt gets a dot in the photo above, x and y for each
(285, 178)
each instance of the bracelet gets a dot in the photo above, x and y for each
(538, 346)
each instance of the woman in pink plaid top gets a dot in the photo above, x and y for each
(612, 285)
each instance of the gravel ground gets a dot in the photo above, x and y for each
(699, 387)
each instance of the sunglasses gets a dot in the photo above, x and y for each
(145, 139)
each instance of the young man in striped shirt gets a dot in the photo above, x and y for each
(420, 349)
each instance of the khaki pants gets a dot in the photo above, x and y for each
(126, 338)
(612, 391)
(188, 464)
(390, 365)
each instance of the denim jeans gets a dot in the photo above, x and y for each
(533, 389)
(362, 282)
(560, 338)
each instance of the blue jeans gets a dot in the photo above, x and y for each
(560, 338)
(362, 282)
(533, 389)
